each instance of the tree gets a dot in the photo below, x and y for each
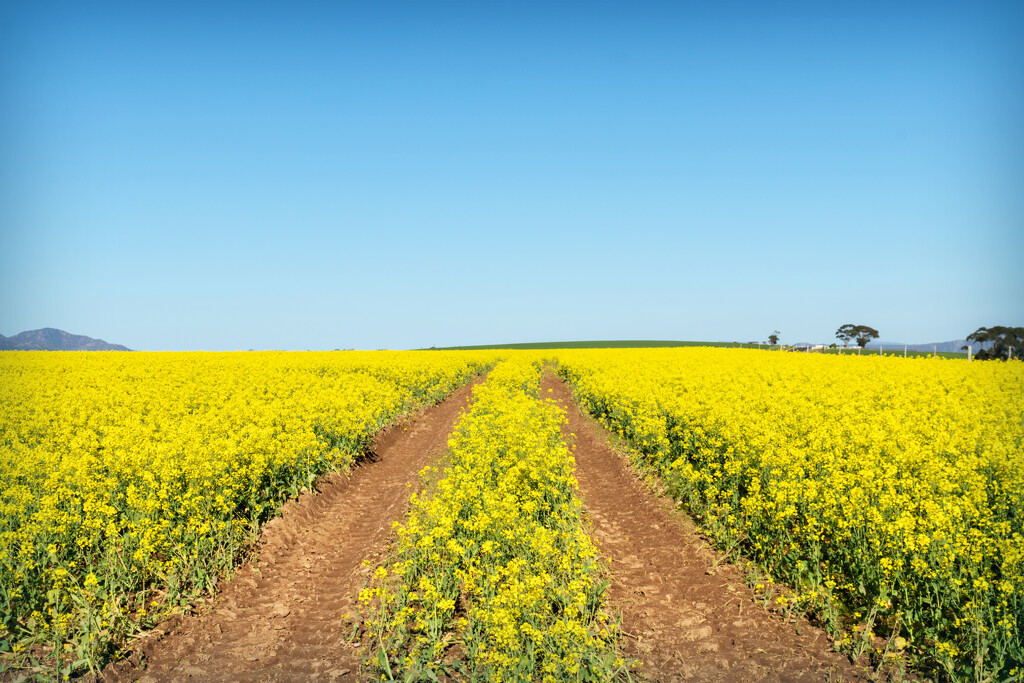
(865, 334)
(846, 333)
(1006, 342)
(862, 334)
(773, 338)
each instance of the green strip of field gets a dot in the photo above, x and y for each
(898, 352)
(605, 344)
(661, 343)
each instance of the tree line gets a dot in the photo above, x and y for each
(999, 342)
(1006, 342)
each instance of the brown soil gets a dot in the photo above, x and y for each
(282, 617)
(687, 615)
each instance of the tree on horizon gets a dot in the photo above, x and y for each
(862, 334)
(1006, 342)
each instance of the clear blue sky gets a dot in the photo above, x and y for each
(378, 174)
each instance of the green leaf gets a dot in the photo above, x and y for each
(383, 663)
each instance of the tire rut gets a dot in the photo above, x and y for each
(686, 614)
(282, 616)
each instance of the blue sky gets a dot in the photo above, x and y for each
(400, 175)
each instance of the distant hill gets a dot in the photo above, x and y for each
(50, 339)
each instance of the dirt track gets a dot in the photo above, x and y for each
(281, 618)
(685, 618)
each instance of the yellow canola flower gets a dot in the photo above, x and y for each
(893, 485)
(126, 474)
(495, 557)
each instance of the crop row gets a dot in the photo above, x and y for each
(888, 492)
(493, 577)
(128, 482)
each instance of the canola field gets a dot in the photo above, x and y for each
(888, 492)
(495, 556)
(131, 481)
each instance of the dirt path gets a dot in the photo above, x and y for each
(281, 617)
(686, 618)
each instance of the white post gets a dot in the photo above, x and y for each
(935, 351)
(879, 349)
(969, 349)
(904, 350)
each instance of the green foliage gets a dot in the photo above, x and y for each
(1006, 342)
(862, 334)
